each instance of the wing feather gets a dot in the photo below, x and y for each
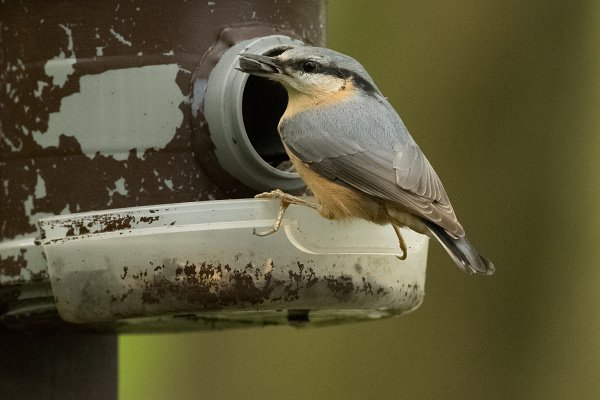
(368, 148)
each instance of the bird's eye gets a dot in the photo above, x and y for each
(309, 66)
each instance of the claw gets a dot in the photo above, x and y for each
(283, 205)
(285, 201)
(264, 233)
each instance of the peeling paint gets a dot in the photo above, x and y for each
(138, 106)
(40, 88)
(61, 66)
(31, 211)
(22, 262)
(120, 38)
(40, 187)
(119, 188)
(13, 265)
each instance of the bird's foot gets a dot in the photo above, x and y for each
(402, 243)
(284, 202)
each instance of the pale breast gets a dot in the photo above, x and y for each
(339, 201)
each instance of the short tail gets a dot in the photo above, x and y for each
(462, 252)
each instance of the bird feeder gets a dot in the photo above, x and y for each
(132, 157)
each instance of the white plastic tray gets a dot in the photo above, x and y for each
(201, 261)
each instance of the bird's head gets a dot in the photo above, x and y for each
(313, 71)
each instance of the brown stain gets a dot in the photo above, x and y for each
(117, 224)
(341, 287)
(209, 286)
(104, 223)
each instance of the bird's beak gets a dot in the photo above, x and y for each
(256, 64)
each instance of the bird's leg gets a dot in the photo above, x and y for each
(284, 202)
(287, 198)
(402, 243)
(283, 205)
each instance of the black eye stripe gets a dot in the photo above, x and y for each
(342, 73)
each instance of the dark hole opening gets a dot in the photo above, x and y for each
(263, 104)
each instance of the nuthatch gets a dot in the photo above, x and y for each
(355, 154)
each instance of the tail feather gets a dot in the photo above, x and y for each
(462, 252)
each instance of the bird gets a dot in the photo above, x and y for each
(355, 154)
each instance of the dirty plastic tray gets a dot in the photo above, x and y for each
(201, 262)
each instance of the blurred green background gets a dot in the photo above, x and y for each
(504, 98)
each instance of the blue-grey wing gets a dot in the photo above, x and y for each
(366, 146)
